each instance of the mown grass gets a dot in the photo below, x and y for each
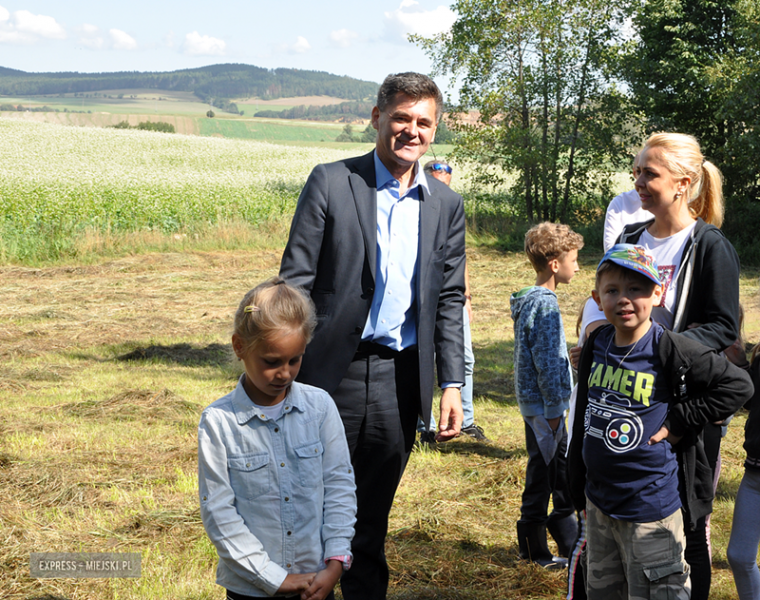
(106, 367)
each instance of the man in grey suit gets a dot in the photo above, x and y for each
(380, 249)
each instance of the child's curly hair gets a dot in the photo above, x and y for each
(547, 241)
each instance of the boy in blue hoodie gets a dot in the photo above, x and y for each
(543, 382)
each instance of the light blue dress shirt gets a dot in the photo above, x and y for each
(392, 319)
(277, 496)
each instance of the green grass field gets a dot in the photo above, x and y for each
(132, 102)
(66, 192)
(182, 109)
(123, 255)
(271, 130)
(107, 366)
(59, 186)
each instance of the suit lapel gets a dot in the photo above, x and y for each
(364, 186)
(430, 212)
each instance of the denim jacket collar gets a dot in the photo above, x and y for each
(245, 409)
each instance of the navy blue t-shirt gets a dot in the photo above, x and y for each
(626, 478)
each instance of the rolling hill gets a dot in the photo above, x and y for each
(214, 84)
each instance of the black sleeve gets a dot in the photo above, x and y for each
(714, 304)
(710, 389)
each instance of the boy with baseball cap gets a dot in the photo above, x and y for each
(644, 393)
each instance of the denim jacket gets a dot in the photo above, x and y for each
(277, 496)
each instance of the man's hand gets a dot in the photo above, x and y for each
(664, 434)
(324, 582)
(295, 583)
(450, 423)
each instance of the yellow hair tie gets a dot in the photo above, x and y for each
(251, 308)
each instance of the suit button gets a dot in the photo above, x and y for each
(371, 290)
(358, 330)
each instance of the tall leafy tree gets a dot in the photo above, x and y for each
(738, 75)
(693, 68)
(538, 74)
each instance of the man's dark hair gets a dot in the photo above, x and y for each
(415, 85)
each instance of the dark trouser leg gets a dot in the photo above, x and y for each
(378, 400)
(535, 497)
(561, 524)
(698, 557)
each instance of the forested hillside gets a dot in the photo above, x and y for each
(211, 84)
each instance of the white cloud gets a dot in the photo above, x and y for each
(302, 45)
(88, 29)
(120, 40)
(343, 38)
(23, 27)
(203, 45)
(39, 25)
(409, 18)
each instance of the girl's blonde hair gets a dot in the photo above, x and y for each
(274, 307)
(682, 156)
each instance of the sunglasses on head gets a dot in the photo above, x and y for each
(441, 167)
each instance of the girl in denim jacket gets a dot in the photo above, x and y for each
(275, 479)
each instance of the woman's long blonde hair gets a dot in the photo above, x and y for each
(682, 156)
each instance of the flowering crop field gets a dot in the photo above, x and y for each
(57, 183)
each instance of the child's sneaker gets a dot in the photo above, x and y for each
(475, 431)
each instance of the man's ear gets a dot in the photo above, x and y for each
(554, 265)
(375, 116)
(597, 298)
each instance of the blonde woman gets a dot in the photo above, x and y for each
(699, 272)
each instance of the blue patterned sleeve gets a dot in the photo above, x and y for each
(549, 352)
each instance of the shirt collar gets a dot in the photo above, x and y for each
(383, 175)
(245, 410)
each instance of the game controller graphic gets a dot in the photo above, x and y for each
(621, 429)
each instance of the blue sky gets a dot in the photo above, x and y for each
(360, 38)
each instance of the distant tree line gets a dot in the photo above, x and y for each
(21, 108)
(345, 111)
(161, 126)
(214, 84)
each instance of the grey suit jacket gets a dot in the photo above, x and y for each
(332, 252)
